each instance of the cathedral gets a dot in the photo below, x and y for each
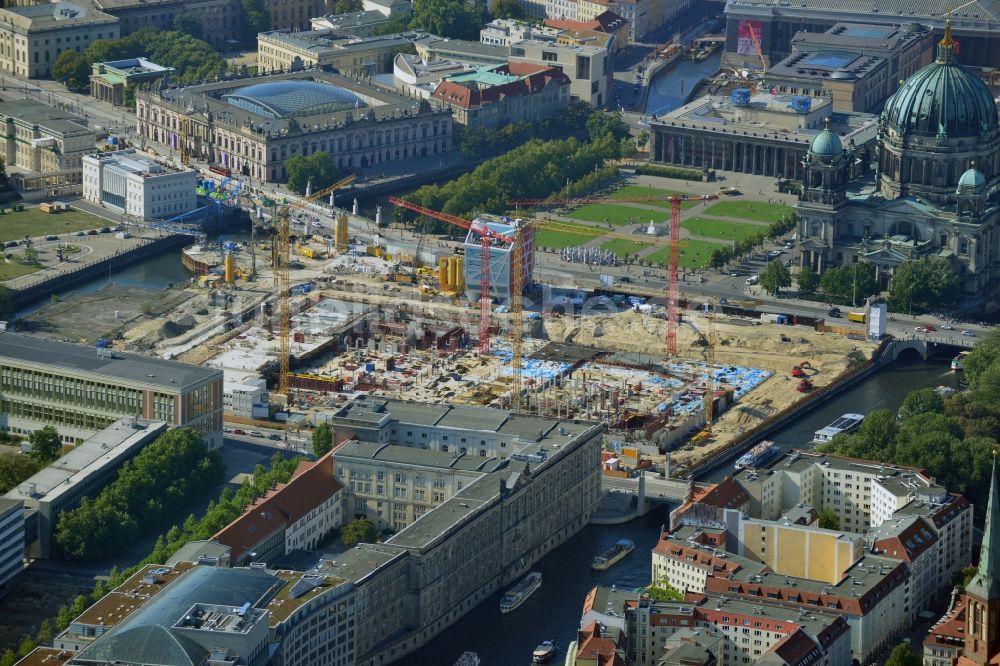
(936, 177)
(969, 633)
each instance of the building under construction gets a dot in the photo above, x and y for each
(502, 233)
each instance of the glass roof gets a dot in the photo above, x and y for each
(283, 99)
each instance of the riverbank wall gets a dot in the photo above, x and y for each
(46, 287)
(880, 357)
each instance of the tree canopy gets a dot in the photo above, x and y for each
(15, 468)
(849, 283)
(6, 303)
(921, 401)
(147, 490)
(188, 24)
(45, 444)
(926, 283)
(72, 69)
(322, 439)
(775, 276)
(506, 9)
(191, 58)
(828, 519)
(903, 655)
(446, 18)
(807, 280)
(317, 169)
(347, 6)
(256, 19)
(359, 530)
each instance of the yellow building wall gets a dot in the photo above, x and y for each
(802, 552)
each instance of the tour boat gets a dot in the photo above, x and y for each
(613, 555)
(518, 594)
(845, 424)
(544, 652)
(759, 455)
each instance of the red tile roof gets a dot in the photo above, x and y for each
(311, 484)
(592, 646)
(534, 78)
(696, 557)
(909, 544)
(797, 648)
(607, 22)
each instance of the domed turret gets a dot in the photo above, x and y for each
(942, 99)
(972, 178)
(826, 143)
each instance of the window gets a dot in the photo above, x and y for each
(549, 56)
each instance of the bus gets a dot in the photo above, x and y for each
(858, 317)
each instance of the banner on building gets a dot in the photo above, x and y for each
(748, 37)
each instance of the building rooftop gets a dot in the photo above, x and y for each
(134, 66)
(90, 456)
(9, 504)
(456, 48)
(299, 589)
(976, 11)
(318, 41)
(410, 455)
(55, 121)
(59, 14)
(902, 538)
(361, 561)
(219, 619)
(863, 37)
(348, 20)
(827, 64)
(145, 635)
(129, 369)
(46, 656)
(134, 162)
(121, 602)
(248, 106)
(198, 551)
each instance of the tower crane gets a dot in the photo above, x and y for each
(281, 249)
(487, 236)
(709, 399)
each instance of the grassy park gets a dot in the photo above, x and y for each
(33, 222)
(694, 254)
(721, 229)
(622, 247)
(749, 210)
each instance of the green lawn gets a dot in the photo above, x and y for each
(703, 226)
(694, 254)
(631, 191)
(750, 210)
(560, 239)
(33, 222)
(14, 269)
(617, 214)
(622, 247)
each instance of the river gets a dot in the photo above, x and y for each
(669, 89)
(554, 611)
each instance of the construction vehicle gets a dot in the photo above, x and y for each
(804, 385)
(306, 251)
(857, 317)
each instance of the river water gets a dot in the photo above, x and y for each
(669, 89)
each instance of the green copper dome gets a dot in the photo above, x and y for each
(972, 178)
(942, 99)
(826, 143)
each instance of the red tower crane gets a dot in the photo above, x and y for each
(673, 286)
(487, 235)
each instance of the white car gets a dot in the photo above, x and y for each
(969, 334)
(947, 327)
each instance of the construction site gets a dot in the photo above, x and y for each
(470, 323)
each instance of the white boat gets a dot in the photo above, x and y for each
(759, 455)
(468, 659)
(544, 652)
(518, 594)
(956, 363)
(845, 424)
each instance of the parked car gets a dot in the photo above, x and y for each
(80, 233)
(239, 431)
(104, 230)
(50, 238)
(833, 312)
(256, 433)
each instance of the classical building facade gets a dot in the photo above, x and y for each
(252, 126)
(938, 164)
(135, 184)
(44, 142)
(108, 80)
(285, 50)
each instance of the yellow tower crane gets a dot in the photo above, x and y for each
(516, 316)
(281, 249)
(709, 367)
(183, 140)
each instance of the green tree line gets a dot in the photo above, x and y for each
(146, 492)
(742, 248)
(536, 169)
(953, 438)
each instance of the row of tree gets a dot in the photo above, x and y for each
(918, 285)
(491, 141)
(192, 59)
(724, 255)
(535, 170)
(147, 491)
(953, 438)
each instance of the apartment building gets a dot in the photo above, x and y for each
(293, 516)
(688, 557)
(133, 183)
(11, 540)
(733, 631)
(517, 92)
(83, 472)
(589, 68)
(44, 141)
(81, 390)
(33, 35)
(504, 32)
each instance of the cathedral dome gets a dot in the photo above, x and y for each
(826, 143)
(942, 99)
(972, 178)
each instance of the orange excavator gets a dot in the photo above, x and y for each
(800, 369)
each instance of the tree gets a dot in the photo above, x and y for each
(903, 655)
(15, 468)
(808, 280)
(849, 283)
(921, 401)
(191, 58)
(44, 634)
(27, 645)
(72, 69)
(359, 530)
(775, 276)
(506, 9)
(446, 18)
(664, 591)
(8, 658)
(601, 124)
(189, 25)
(322, 439)
(45, 444)
(347, 6)
(317, 169)
(256, 19)
(828, 519)
(926, 283)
